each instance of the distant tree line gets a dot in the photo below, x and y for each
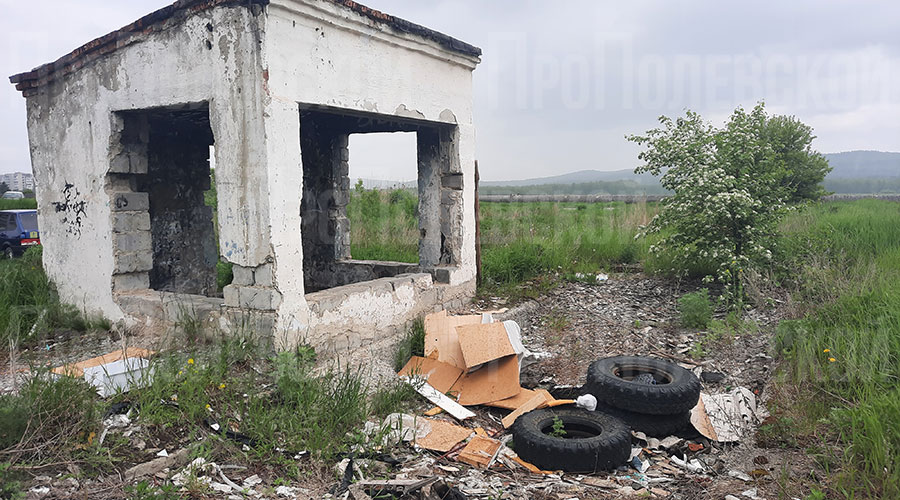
(887, 185)
(598, 187)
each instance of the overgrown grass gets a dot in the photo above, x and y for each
(520, 241)
(26, 203)
(845, 349)
(47, 418)
(413, 344)
(30, 306)
(279, 401)
(384, 225)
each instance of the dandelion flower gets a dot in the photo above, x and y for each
(190, 361)
(826, 351)
(831, 360)
(208, 407)
(222, 385)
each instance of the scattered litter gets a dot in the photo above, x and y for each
(531, 404)
(40, 491)
(740, 475)
(439, 375)
(640, 465)
(404, 427)
(480, 451)
(586, 401)
(752, 494)
(496, 380)
(443, 437)
(162, 453)
(290, 491)
(116, 371)
(440, 399)
(251, 481)
(693, 465)
(441, 340)
(727, 417)
(434, 411)
(483, 343)
(519, 399)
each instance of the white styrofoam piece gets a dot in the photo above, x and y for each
(124, 374)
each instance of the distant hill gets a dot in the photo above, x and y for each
(863, 165)
(854, 172)
(579, 177)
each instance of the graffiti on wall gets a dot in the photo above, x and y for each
(72, 209)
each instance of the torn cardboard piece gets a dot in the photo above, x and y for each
(439, 375)
(120, 370)
(727, 417)
(480, 451)
(482, 343)
(441, 340)
(496, 380)
(77, 369)
(443, 436)
(532, 404)
(521, 398)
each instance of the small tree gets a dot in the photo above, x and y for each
(728, 193)
(804, 169)
(3, 187)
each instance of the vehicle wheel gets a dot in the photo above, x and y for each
(658, 426)
(672, 389)
(593, 441)
(8, 253)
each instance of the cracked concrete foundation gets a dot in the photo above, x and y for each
(120, 131)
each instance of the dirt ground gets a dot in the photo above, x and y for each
(568, 327)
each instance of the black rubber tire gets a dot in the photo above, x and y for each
(677, 392)
(658, 426)
(607, 446)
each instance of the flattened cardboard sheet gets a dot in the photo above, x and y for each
(483, 342)
(441, 340)
(496, 380)
(439, 375)
(443, 436)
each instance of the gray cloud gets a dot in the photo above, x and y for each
(561, 83)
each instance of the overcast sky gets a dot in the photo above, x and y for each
(562, 82)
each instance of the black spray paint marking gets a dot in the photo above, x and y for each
(73, 209)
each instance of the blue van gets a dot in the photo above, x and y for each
(18, 232)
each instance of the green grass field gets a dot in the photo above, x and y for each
(519, 241)
(843, 356)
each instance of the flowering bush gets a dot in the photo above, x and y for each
(728, 194)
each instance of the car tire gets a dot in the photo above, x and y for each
(595, 441)
(658, 426)
(676, 390)
(8, 253)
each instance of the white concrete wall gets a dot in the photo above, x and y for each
(69, 125)
(254, 72)
(321, 53)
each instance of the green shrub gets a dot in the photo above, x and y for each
(224, 274)
(695, 309)
(10, 486)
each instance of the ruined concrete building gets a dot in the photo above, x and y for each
(121, 131)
